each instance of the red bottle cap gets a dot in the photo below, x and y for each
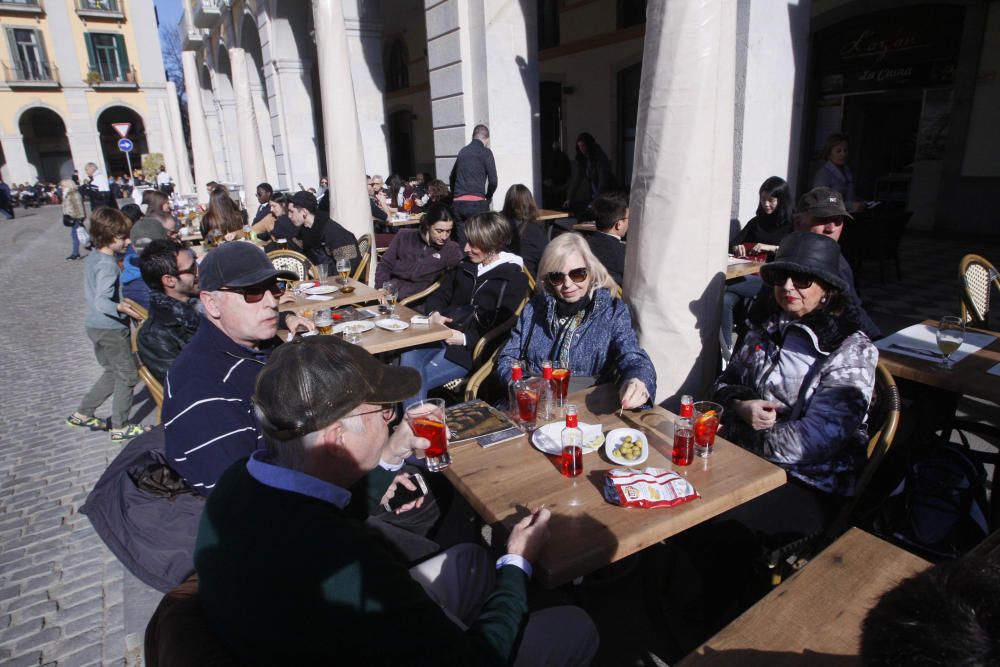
(516, 373)
(547, 372)
(687, 407)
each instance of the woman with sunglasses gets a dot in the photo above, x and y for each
(797, 392)
(482, 292)
(577, 321)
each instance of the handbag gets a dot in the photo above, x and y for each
(68, 221)
(83, 236)
(462, 315)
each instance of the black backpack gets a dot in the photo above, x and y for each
(940, 508)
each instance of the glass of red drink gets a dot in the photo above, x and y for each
(527, 404)
(426, 419)
(706, 422)
(571, 463)
(562, 375)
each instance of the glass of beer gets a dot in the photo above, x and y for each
(344, 269)
(950, 334)
(324, 321)
(426, 419)
(391, 292)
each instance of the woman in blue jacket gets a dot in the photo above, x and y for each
(577, 321)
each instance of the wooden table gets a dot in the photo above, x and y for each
(362, 294)
(585, 227)
(503, 482)
(818, 610)
(734, 271)
(968, 377)
(549, 214)
(395, 222)
(379, 340)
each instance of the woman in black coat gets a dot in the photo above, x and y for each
(528, 237)
(483, 291)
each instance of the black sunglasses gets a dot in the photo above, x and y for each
(556, 278)
(255, 293)
(193, 270)
(799, 280)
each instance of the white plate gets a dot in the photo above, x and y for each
(392, 324)
(615, 438)
(322, 289)
(361, 327)
(548, 438)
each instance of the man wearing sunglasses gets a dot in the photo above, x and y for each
(170, 271)
(207, 417)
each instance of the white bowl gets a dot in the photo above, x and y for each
(615, 437)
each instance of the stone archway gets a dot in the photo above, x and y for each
(114, 158)
(46, 146)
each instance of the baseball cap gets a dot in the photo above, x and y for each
(305, 199)
(823, 203)
(237, 264)
(145, 231)
(309, 383)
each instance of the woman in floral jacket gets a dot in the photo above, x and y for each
(577, 321)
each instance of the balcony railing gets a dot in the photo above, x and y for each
(112, 78)
(34, 74)
(100, 9)
(21, 6)
(206, 13)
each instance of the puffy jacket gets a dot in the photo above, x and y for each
(821, 369)
(496, 290)
(604, 342)
(170, 326)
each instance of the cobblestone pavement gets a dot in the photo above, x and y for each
(61, 590)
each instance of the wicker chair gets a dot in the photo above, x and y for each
(883, 420)
(421, 295)
(139, 308)
(296, 262)
(152, 384)
(365, 248)
(976, 274)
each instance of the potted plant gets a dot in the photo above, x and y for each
(93, 78)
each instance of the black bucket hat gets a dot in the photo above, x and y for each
(310, 383)
(812, 254)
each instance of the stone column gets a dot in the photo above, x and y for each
(183, 177)
(18, 169)
(251, 157)
(364, 42)
(676, 262)
(344, 153)
(296, 147)
(259, 96)
(170, 158)
(201, 144)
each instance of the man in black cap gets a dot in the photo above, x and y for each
(283, 539)
(322, 238)
(206, 410)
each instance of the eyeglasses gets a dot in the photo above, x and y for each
(799, 280)
(255, 293)
(193, 270)
(388, 412)
(556, 278)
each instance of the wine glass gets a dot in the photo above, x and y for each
(950, 333)
(391, 293)
(344, 269)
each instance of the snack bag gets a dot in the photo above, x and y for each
(652, 487)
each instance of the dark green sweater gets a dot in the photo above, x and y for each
(289, 579)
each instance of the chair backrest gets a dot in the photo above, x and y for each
(531, 280)
(152, 384)
(178, 633)
(421, 295)
(485, 353)
(139, 308)
(289, 260)
(364, 247)
(975, 274)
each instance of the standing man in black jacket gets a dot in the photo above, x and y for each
(473, 180)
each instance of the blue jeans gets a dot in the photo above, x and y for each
(464, 210)
(434, 369)
(736, 291)
(76, 239)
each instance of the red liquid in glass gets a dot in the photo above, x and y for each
(527, 406)
(571, 463)
(704, 431)
(562, 375)
(683, 450)
(434, 431)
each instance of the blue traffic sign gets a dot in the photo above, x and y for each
(125, 145)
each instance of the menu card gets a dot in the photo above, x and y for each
(479, 421)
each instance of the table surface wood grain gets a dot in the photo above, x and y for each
(380, 340)
(818, 610)
(504, 482)
(550, 214)
(362, 294)
(734, 271)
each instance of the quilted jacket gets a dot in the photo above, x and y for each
(821, 369)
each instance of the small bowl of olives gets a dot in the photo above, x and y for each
(626, 446)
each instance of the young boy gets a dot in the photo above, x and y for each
(107, 326)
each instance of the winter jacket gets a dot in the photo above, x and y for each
(72, 204)
(326, 238)
(604, 342)
(763, 228)
(528, 241)
(496, 290)
(413, 263)
(170, 327)
(841, 180)
(821, 369)
(610, 250)
(474, 172)
(592, 176)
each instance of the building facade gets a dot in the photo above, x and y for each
(72, 69)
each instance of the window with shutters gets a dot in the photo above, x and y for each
(108, 59)
(29, 62)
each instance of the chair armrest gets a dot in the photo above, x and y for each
(422, 294)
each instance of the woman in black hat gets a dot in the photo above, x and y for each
(797, 393)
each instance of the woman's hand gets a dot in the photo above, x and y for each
(128, 310)
(760, 415)
(633, 394)
(739, 250)
(764, 247)
(456, 337)
(438, 318)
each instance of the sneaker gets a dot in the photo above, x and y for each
(127, 432)
(83, 421)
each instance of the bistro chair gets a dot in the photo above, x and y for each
(365, 248)
(152, 384)
(178, 634)
(139, 308)
(883, 420)
(976, 275)
(296, 262)
(421, 295)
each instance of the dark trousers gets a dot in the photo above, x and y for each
(464, 210)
